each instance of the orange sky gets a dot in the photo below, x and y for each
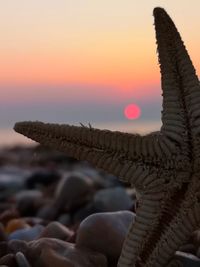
(86, 43)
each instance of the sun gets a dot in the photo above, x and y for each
(132, 112)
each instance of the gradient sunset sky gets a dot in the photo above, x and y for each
(74, 61)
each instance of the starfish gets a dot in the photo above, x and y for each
(164, 167)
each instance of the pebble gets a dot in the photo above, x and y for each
(96, 177)
(28, 201)
(74, 190)
(14, 246)
(105, 233)
(3, 248)
(56, 230)
(47, 212)
(42, 195)
(16, 224)
(9, 260)
(84, 212)
(112, 199)
(44, 178)
(65, 219)
(11, 181)
(22, 260)
(51, 252)
(188, 248)
(110, 180)
(8, 214)
(27, 234)
(3, 236)
(187, 259)
(34, 220)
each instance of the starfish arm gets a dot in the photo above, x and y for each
(175, 263)
(180, 84)
(177, 233)
(130, 157)
(185, 219)
(146, 219)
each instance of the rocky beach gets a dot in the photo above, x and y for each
(56, 211)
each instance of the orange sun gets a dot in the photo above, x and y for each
(132, 112)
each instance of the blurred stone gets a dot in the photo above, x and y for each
(16, 224)
(188, 248)
(44, 178)
(11, 180)
(15, 246)
(51, 252)
(21, 260)
(105, 233)
(187, 260)
(56, 230)
(112, 199)
(84, 212)
(27, 234)
(8, 215)
(32, 221)
(73, 191)
(97, 179)
(3, 248)
(28, 201)
(47, 212)
(3, 236)
(65, 219)
(110, 180)
(8, 260)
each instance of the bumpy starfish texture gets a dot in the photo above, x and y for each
(164, 167)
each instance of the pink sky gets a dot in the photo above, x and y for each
(85, 51)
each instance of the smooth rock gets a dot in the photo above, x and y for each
(21, 260)
(8, 260)
(65, 219)
(56, 230)
(48, 212)
(73, 191)
(84, 212)
(110, 180)
(3, 248)
(16, 224)
(188, 248)
(11, 180)
(187, 260)
(50, 252)
(24, 194)
(44, 178)
(14, 246)
(27, 234)
(8, 215)
(32, 221)
(112, 199)
(28, 201)
(97, 179)
(105, 233)
(3, 236)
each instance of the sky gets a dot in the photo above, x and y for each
(71, 61)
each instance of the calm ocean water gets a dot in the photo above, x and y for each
(8, 137)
